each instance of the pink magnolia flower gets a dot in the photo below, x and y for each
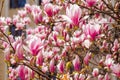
(26, 20)
(19, 51)
(73, 1)
(35, 46)
(109, 61)
(100, 77)
(116, 69)
(76, 63)
(20, 26)
(106, 77)
(76, 76)
(116, 46)
(22, 13)
(61, 66)
(52, 66)
(8, 20)
(95, 72)
(15, 19)
(39, 59)
(87, 58)
(74, 13)
(28, 8)
(91, 3)
(2, 20)
(45, 1)
(21, 71)
(104, 45)
(91, 31)
(49, 9)
(81, 77)
(37, 17)
(35, 9)
(87, 43)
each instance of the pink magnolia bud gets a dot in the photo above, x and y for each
(106, 77)
(76, 76)
(7, 56)
(116, 46)
(49, 9)
(52, 66)
(28, 8)
(37, 18)
(95, 72)
(8, 20)
(100, 77)
(39, 59)
(104, 45)
(15, 19)
(91, 3)
(76, 63)
(61, 66)
(19, 51)
(81, 77)
(21, 71)
(109, 61)
(87, 58)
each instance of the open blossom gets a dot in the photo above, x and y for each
(91, 3)
(116, 69)
(35, 46)
(22, 13)
(74, 13)
(91, 31)
(49, 9)
(95, 72)
(15, 19)
(26, 20)
(8, 20)
(20, 26)
(76, 63)
(61, 66)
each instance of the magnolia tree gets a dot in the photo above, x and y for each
(71, 40)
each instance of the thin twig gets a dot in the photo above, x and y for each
(3, 40)
(8, 40)
(36, 70)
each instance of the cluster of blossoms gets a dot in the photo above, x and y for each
(71, 40)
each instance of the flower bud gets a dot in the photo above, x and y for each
(95, 72)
